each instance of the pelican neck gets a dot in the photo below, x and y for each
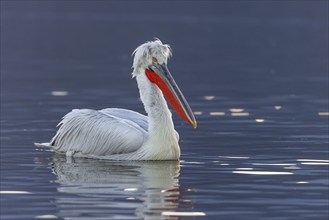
(155, 105)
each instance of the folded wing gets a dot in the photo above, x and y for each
(98, 133)
(139, 119)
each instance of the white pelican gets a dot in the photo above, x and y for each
(120, 134)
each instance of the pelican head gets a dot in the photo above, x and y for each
(151, 59)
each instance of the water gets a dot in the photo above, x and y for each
(256, 74)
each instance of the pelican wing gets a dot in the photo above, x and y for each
(136, 117)
(139, 119)
(92, 132)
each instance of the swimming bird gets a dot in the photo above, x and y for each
(120, 134)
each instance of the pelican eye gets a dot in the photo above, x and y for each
(154, 60)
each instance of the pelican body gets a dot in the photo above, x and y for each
(120, 134)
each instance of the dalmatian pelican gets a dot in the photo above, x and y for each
(121, 134)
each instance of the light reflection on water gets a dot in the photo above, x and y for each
(197, 113)
(59, 93)
(314, 163)
(46, 217)
(263, 172)
(236, 110)
(217, 113)
(259, 120)
(190, 214)
(14, 192)
(312, 160)
(209, 97)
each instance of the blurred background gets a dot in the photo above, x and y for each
(254, 72)
(226, 48)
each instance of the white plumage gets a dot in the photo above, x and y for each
(120, 134)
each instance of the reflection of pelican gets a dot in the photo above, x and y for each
(126, 135)
(91, 185)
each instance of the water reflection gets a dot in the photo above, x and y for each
(314, 163)
(46, 217)
(14, 192)
(197, 113)
(217, 113)
(209, 97)
(302, 182)
(183, 214)
(236, 110)
(312, 160)
(263, 172)
(59, 93)
(148, 189)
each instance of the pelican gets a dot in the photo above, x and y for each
(121, 134)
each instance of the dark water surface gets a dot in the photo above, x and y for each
(256, 75)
